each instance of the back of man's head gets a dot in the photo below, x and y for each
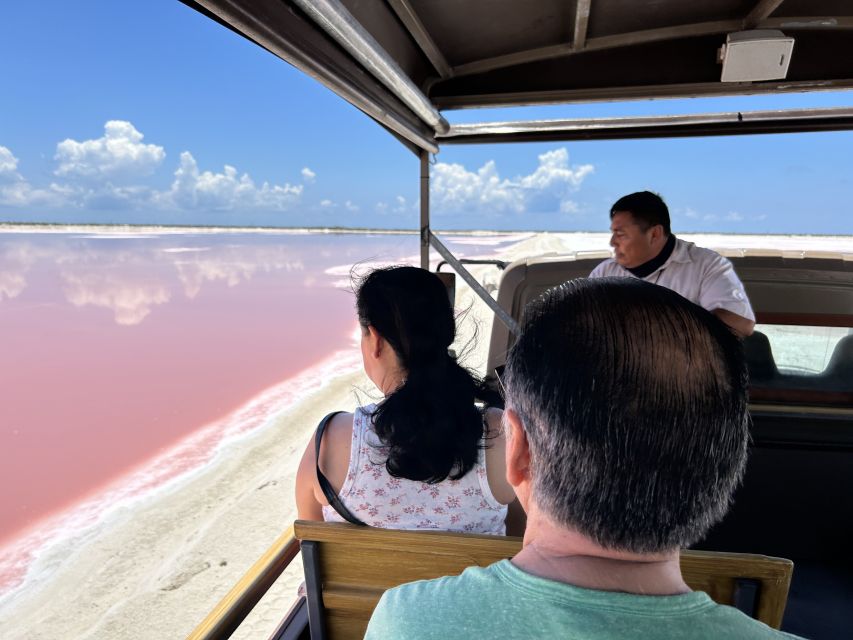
(633, 400)
(648, 209)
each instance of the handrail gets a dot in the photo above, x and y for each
(500, 264)
(444, 252)
(226, 616)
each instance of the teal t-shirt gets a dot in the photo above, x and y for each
(502, 601)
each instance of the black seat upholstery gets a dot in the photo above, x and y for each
(840, 367)
(794, 502)
(759, 357)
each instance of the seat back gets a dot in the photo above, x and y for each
(840, 367)
(759, 357)
(347, 568)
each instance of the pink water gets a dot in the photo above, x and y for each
(115, 349)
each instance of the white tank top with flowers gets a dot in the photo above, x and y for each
(381, 500)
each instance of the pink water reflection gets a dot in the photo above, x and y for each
(114, 349)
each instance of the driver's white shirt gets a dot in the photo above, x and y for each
(702, 276)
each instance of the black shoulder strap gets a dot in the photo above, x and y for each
(334, 501)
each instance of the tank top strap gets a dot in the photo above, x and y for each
(359, 447)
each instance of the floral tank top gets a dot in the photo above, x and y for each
(381, 500)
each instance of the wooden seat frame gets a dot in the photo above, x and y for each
(347, 568)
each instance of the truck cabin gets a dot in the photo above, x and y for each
(406, 63)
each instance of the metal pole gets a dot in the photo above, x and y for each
(334, 18)
(502, 315)
(425, 233)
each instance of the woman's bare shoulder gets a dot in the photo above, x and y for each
(339, 429)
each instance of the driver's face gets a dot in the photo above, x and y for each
(631, 245)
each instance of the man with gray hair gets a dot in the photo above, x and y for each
(627, 432)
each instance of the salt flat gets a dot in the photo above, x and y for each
(154, 571)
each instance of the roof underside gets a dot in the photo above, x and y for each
(478, 53)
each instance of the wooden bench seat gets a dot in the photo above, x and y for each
(347, 568)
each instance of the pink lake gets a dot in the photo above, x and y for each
(115, 348)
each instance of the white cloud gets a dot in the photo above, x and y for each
(454, 188)
(108, 173)
(17, 192)
(130, 301)
(402, 205)
(232, 266)
(119, 152)
(554, 170)
(133, 282)
(732, 216)
(8, 163)
(11, 284)
(194, 189)
(16, 259)
(351, 206)
(568, 206)
(328, 204)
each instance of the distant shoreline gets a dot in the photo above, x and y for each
(61, 227)
(83, 227)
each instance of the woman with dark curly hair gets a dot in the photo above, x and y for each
(425, 457)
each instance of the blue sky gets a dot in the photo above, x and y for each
(147, 112)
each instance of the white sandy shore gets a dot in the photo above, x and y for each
(155, 572)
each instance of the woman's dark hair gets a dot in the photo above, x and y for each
(429, 424)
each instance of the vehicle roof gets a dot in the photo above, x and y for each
(485, 53)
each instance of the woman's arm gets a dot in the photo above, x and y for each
(307, 507)
(334, 463)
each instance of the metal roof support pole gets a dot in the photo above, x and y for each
(425, 232)
(507, 319)
(334, 18)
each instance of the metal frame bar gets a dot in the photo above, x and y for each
(640, 92)
(597, 44)
(294, 623)
(581, 23)
(504, 317)
(412, 22)
(427, 238)
(224, 619)
(314, 589)
(646, 36)
(334, 18)
(710, 124)
(425, 232)
(761, 10)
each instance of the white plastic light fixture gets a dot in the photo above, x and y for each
(752, 56)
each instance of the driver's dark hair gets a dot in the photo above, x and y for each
(633, 400)
(647, 208)
(430, 426)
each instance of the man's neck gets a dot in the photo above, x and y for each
(652, 265)
(556, 553)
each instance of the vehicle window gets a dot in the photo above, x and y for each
(802, 350)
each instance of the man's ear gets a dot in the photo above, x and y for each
(517, 450)
(657, 232)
